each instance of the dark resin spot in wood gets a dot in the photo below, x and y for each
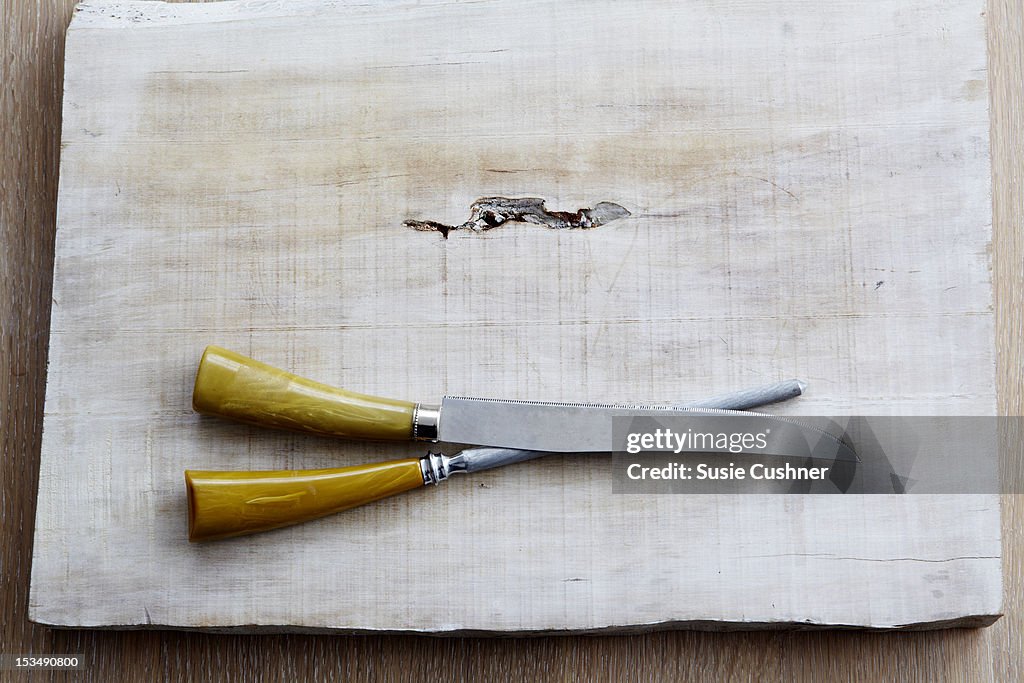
(487, 213)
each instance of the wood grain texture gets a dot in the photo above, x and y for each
(31, 68)
(222, 185)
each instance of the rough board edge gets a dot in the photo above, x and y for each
(972, 621)
(140, 13)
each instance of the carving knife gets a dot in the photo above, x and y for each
(232, 386)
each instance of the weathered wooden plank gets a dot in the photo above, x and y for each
(809, 196)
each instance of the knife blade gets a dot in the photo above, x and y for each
(236, 387)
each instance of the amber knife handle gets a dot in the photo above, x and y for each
(224, 504)
(236, 387)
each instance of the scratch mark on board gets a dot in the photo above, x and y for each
(775, 185)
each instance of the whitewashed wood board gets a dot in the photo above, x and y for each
(809, 188)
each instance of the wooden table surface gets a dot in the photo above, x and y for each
(31, 76)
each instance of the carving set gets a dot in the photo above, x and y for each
(222, 504)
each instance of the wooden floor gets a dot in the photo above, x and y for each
(30, 92)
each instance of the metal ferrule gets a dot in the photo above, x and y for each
(436, 467)
(425, 420)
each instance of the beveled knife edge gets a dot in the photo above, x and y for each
(233, 386)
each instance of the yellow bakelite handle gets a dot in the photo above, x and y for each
(225, 504)
(239, 388)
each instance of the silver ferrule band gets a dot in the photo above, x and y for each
(425, 420)
(434, 467)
